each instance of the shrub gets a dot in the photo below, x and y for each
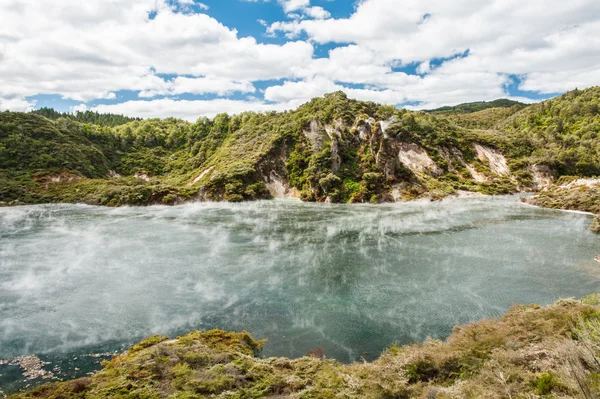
(545, 383)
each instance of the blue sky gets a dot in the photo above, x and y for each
(189, 58)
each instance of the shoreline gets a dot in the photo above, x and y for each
(458, 195)
(559, 209)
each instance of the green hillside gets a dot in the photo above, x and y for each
(478, 106)
(85, 117)
(331, 149)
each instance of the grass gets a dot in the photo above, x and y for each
(530, 352)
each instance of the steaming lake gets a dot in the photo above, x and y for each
(351, 279)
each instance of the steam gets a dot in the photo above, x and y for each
(350, 279)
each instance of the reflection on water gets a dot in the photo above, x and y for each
(349, 279)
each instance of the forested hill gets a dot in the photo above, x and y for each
(85, 117)
(478, 106)
(331, 149)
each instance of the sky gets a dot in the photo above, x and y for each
(191, 58)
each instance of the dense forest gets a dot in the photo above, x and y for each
(477, 106)
(331, 149)
(92, 117)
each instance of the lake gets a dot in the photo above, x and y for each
(77, 280)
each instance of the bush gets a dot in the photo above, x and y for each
(545, 383)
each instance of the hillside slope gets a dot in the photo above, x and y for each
(478, 106)
(332, 149)
(531, 352)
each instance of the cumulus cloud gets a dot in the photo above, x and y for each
(299, 9)
(501, 36)
(201, 85)
(16, 104)
(430, 91)
(294, 5)
(89, 50)
(189, 109)
(426, 52)
(317, 12)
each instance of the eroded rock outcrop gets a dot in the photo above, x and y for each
(416, 159)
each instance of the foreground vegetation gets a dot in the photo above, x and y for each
(332, 149)
(531, 352)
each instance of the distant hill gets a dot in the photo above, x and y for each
(331, 149)
(467, 108)
(91, 117)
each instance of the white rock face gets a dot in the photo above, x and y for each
(494, 158)
(363, 132)
(385, 124)
(416, 159)
(589, 183)
(478, 177)
(315, 135)
(334, 134)
(201, 175)
(542, 176)
(336, 159)
(278, 188)
(453, 154)
(142, 176)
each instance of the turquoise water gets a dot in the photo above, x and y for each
(351, 279)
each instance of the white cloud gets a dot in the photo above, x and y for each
(222, 87)
(89, 50)
(502, 36)
(558, 82)
(93, 49)
(431, 90)
(78, 108)
(201, 85)
(294, 5)
(188, 109)
(202, 6)
(300, 9)
(317, 12)
(424, 67)
(16, 104)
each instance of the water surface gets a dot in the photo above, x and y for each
(78, 279)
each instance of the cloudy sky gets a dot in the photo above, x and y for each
(188, 58)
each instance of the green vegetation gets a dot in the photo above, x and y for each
(531, 352)
(573, 193)
(85, 117)
(563, 131)
(332, 149)
(595, 227)
(478, 106)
